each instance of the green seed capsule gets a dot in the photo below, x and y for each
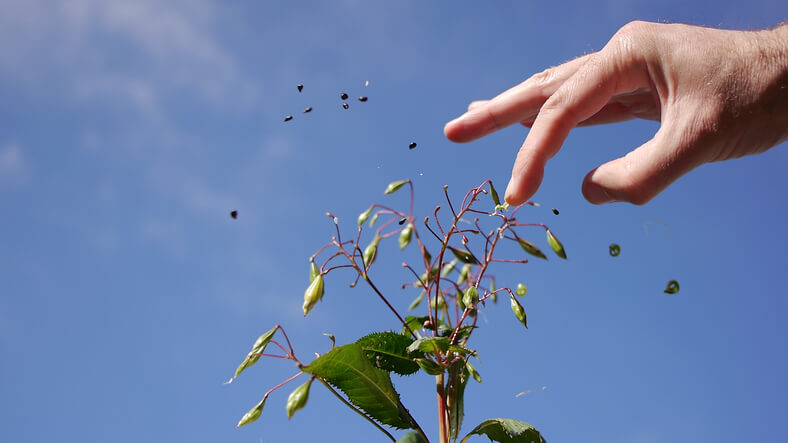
(470, 297)
(521, 290)
(441, 302)
(394, 186)
(371, 252)
(448, 268)
(556, 244)
(313, 294)
(519, 311)
(494, 195)
(474, 373)
(364, 215)
(464, 273)
(373, 219)
(298, 399)
(252, 415)
(404, 237)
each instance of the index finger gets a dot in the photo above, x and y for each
(519, 103)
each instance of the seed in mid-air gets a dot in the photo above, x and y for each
(345, 105)
(363, 98)
(343, 96)
(555, 211)
(300, 87)
(412, 145)
(402, 221)
(234, 214)
(309, 109)
(288, 118)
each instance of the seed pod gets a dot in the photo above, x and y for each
(313, 294)
(364, 215)
(429, 366)
(521, 290)
(371, 252)
(394, 186)
(416, 302)
(298, 398)
(404, 237)
(464, 256)
(363, 98)
(614, 250)
(441, 302)
(288, 118)
(314, 271)
(672, 288)
(474, 373)
(309, 109)
(470, 297)
(464, 273)
(412, 145)
(373, 220)
(556, 244)
(518, 310)
(494, 195)
(530, 248)
(300, 87)
(253, 414)
(343, 96)
(448, 268)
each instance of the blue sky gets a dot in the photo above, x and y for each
(129, 130)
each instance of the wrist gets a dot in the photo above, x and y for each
(768, 69)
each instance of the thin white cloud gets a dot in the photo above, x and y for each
(13, 165)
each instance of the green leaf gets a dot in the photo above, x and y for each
(429, 366)
(412, 437)
(394, 186)
(614, 250)
(257, 348)
(314, 271)
(556, 244)
(461, 350)
(416, 302)
(506, 430)
(389, 351)
(473, 372)
(518, 310)
(456, 400)
(404, 237)
(298, 398)
(672, 288)
(253, 414)
(348, 369)
(429, 344)
(464, 256)
(364, 215)
(313, 294)
(494, 195)
(521, 290)
(531, 248)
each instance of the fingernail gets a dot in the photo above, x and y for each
(598, 195)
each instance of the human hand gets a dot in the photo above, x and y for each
(718, 94)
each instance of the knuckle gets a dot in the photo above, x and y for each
(543, 77)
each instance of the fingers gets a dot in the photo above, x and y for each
(520, 103)
(584, 94)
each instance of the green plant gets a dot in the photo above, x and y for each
(455, 283)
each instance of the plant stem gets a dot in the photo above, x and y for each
(356, 410)
(444, 436)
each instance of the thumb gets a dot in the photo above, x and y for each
(641, 174)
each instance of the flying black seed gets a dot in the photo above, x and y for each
(343, 96)
(555, 211)
(309, 109)
(288, 118)
(345, 105)
(300, 87)
(412, 145)
(363, 98)
(234, 214)
(402, 221)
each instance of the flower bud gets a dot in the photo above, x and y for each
(313, 294)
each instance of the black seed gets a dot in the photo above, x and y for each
(555, 211)
(412, 145)
(345, 105)
(288, 118)
(309, 109)
(402, 221)
(343, 96)
(300, 87)
(234, 214)
(363, 98)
